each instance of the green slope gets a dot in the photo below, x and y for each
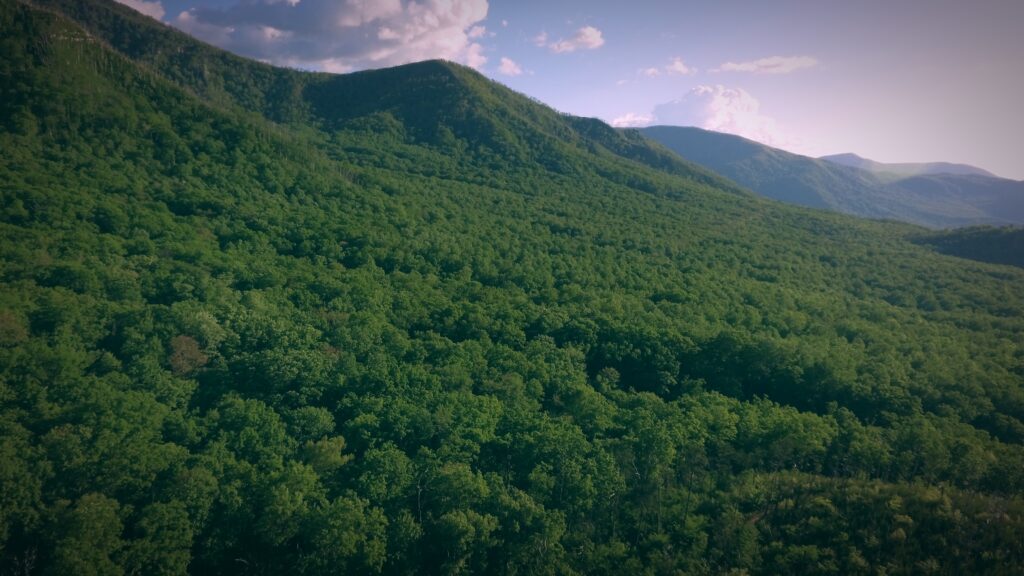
(939, 200)
(407, 321)
(984, 243)
(453, 107)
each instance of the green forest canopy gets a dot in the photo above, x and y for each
(255, 320)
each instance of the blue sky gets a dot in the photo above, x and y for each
(896, 81)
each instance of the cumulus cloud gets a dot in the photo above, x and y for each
(339, 36)
(771, 65)
(723, 109)
(152, 9)
(586, 38)
(678, 67)
(649, 72)
(508, 67)
(473, 56)
(540, 40)
(632, 120)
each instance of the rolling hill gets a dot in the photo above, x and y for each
(920, 194)
(406, 321)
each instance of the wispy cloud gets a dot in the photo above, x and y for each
(632, 120)
(343, 36)
(153, 9)
(508, 67)
(675, 67)
(586, 38)
(771, 65)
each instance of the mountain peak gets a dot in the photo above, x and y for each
(845, 157)
(434, 102)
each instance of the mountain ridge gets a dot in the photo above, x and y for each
(906, 168)
(292, 96)
(933, 200)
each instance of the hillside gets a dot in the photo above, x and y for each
(936, 200)
(259, 321)
(906, 168)
(982, 243)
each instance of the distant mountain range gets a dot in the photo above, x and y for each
(906, 168)
(937, 195)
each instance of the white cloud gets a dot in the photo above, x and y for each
(632, 120)
(508, 67)
(586, 38)
(678, 67)
(675, 67)
(341, 36)
(771, 65)
(504, 23)
(473, 56)
(722, 109)
(153, 9)
(540, 40)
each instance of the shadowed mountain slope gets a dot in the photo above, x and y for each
(983, 243)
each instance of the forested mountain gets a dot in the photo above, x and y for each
(906, 168)
(985, 243)
(935, 195)
(260, 321)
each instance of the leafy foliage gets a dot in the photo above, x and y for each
(346, 331)
(983, 243)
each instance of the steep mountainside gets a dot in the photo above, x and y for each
(259, 321)
(906, 168)
(934, 200)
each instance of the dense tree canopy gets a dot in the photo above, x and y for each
(1001, 245)
(258, 321)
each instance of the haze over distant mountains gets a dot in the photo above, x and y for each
(937, 195)
(905, 168)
